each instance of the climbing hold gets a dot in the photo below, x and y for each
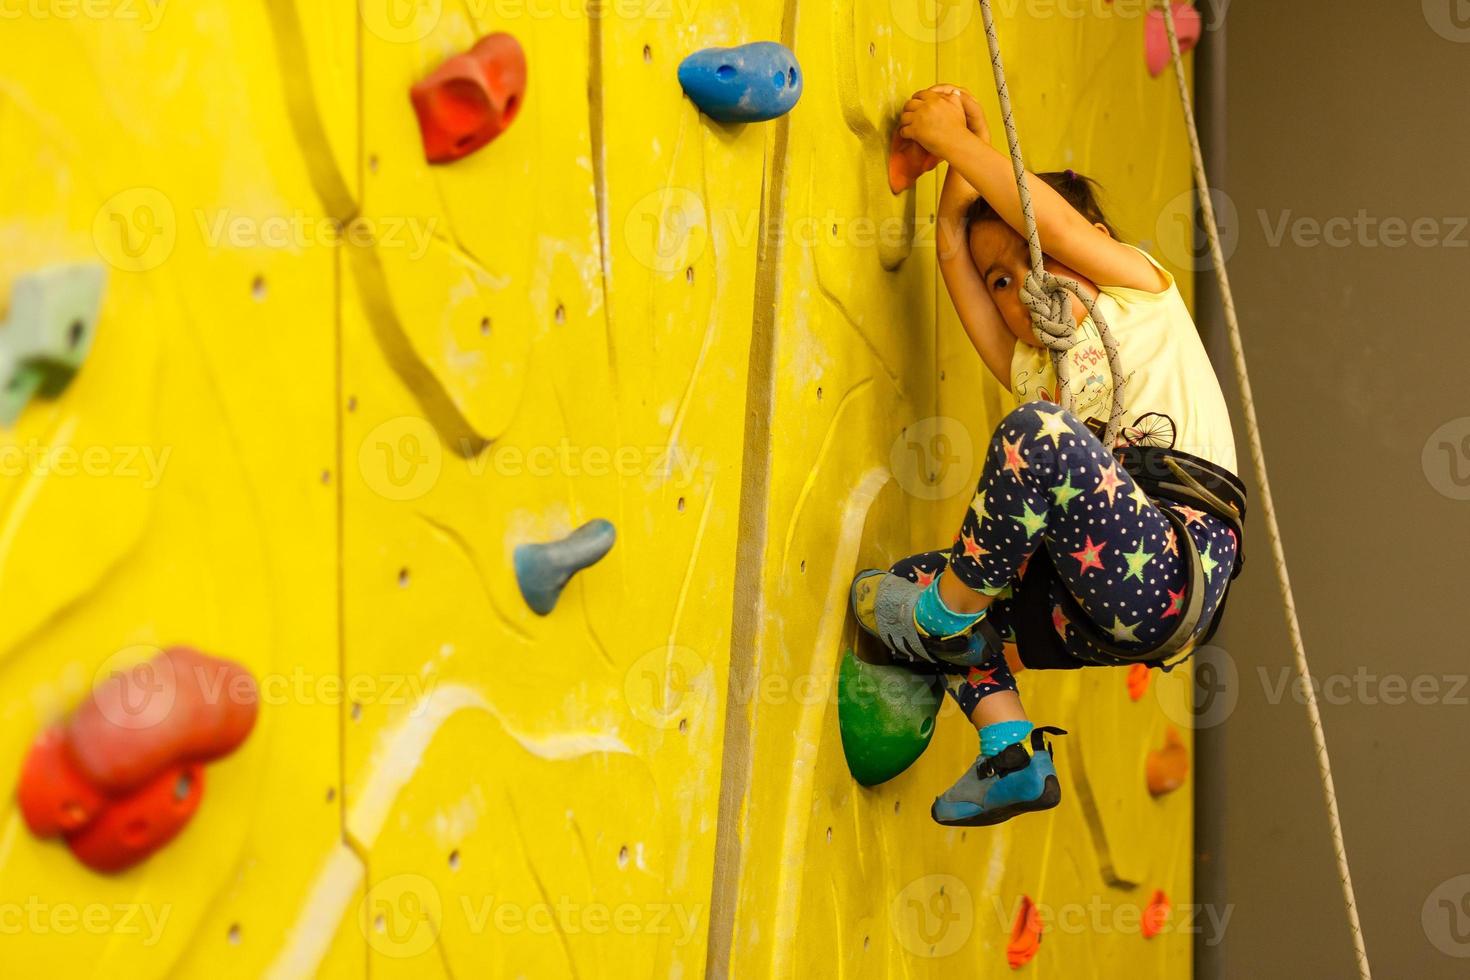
(886, 717)
(53, 797)
(134, 826)
(124, 775)
(1025, 934)
(1138, 678)
(1168, 766)
(471, 98)
(543, 570)
(749, 83)
(907, 162)
(1155, 914)
(1156, 36)
(181, 706)
(45, 338)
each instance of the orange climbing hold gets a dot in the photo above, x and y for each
(907, 162)
(125, 774)
(471, 98)
(1138, 678)
(1168, 766)
(1155, 914)
(1025, 934)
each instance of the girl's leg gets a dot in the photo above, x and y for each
(986, 693)
(1049, 482)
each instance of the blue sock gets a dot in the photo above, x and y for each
(936, 619)
(994, 738)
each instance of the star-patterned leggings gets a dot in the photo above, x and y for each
(1048, 482)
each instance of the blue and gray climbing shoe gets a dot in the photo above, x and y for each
(997, 788)
(883, 604)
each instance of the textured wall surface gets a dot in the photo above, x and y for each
(334, 387)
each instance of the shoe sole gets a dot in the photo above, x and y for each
(852, 599)
(1051, 795)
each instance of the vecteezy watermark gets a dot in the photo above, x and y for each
(1099, 917)
(36, 917)
(148, 686)
(669, 686)
(1204, 695)
(135, 230)
(933, 916)
(933, 458)
(298, 230)
(1364, 230)
(1366, 687)
(668, 230)
(145, 13)
(1446, 458)
(408, 21)
(143, 463)
(1446, 916)
(1181, 234)
(403, 915)
(402, 459)
(1450, 19)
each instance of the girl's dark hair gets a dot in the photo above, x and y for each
(1079, 191)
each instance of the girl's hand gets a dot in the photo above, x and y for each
(936, 120)
(974, 113)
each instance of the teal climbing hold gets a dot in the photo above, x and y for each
(886, 716)
(53, 314)
(543, 570)
(749, 83)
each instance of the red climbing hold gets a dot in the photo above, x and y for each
(125, 774)
(1025, 934)
(1155, 915)
(181, 706)
(54, 798)
(1156, 36)
(133, 827)
(907, 162)
(471, 98)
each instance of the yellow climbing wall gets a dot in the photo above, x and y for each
(332, 389)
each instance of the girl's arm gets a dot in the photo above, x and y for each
(938, 122)
(978, 315)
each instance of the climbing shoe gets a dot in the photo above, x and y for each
(998, 787)
(883, 604)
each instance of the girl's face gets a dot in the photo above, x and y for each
(1004, 261)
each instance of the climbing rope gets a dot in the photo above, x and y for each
(1268, 508)
(1045, 294)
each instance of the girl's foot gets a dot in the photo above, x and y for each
(883, 604)
(998, 787)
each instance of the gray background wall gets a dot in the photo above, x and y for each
(1359, 353)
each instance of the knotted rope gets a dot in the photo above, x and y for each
(1044, 294)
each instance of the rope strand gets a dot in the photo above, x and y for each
(1268, 507)
(1045, 294)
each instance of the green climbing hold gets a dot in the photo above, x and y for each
(886, 715)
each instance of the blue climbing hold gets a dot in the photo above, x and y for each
(543, 570)
(749, 83)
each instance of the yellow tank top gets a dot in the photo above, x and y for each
(1172, 397)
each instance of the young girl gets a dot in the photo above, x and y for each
(1080, 553)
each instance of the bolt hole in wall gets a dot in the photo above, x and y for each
(485, 326)
(561, 313)
(623, 856)
(403, 578)
(647, 53)
(234, 934)
(257, 289)
(372, 163)
(454, 860)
